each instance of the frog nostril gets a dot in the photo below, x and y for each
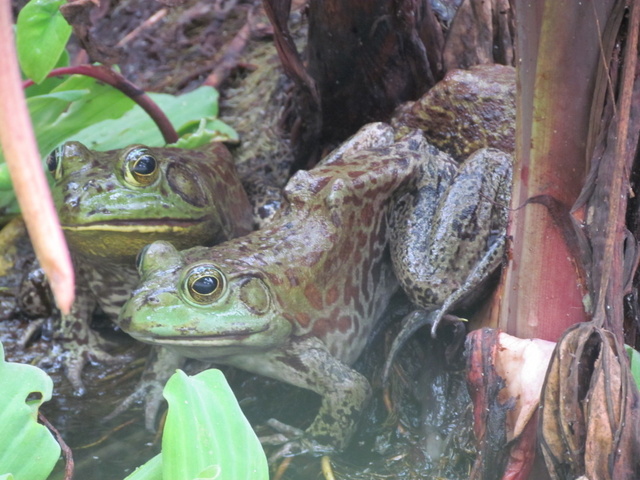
(153, 299)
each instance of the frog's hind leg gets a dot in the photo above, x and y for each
(419, 318)
(488, 264)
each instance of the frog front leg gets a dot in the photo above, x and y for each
(161, 364)
(307, 363)
(82, 344)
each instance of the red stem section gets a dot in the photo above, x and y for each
(113, 78)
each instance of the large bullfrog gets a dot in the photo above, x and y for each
(297, 300)
(111, 204)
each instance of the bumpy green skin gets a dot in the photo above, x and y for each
(297, 300)
(193, 197)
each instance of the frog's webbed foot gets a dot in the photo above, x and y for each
(92, 349)
(149, 391)
(292, 442)
(161, 364)
(410, 324)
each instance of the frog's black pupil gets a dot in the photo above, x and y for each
(145, 165)
(205, 285)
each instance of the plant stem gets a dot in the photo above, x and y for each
(23, 159)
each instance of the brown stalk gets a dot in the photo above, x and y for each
(23, 159)
(561, 51)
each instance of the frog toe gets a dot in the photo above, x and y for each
(292, 441)
(75, 360)
(149, 391)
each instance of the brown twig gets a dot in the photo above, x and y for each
(149, 22)
(66, 451)
(229, 58)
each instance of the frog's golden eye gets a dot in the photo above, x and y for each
(140, 167)
(54, 162)
(204, 284)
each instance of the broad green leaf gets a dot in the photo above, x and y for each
(49, 83)
(41, 36)
(208, 130)
(71, 106)
(27, 449)
(634, 360)
(152, 470)
(137, 127)
(206, 432)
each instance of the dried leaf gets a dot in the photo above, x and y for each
(590, 423)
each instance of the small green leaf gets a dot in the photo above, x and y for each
(634, 357)
(49, 83)
(41, 36)
(208, 130)
(206, 434)
(27, 448)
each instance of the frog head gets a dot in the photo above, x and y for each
(113, 203)
(202, 308)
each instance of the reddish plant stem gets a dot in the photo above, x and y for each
(23, 159)
(560, 52)
(113, 78)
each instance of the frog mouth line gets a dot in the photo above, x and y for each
(194, 340)
(139, 226)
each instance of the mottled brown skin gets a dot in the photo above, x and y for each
(194, 198)
(298, 300)
(448, 234)
(466, 111)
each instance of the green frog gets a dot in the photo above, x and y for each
(111, 204)
(297, 300)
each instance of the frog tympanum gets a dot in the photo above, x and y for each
(111, 204)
